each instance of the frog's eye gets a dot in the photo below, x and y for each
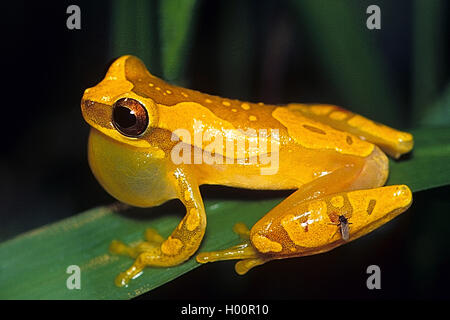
(129, 117)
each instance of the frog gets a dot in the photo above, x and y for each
(151, 141)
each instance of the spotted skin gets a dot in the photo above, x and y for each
(393, 142)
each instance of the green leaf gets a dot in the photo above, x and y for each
(439, 113)
(429, 163)
(350, 57)
(428, 54)
(33, 265)
(176, 17)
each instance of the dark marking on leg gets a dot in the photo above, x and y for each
(371, 206)
(314, 129)
(349, 140)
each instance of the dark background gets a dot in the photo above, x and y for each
(271, 51)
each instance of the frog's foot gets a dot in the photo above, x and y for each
(135, 270)
(155, 252)
(154, 239)
(245, 251)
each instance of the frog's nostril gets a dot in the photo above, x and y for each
(130, 117)
(88, 103)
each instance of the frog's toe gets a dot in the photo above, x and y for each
(154, 240)
(135, 270)
(242, 230)
(121, 280)
(250, 258)
(246, 252)
(241, 251)
(151, 235)
(243, 266)
(118, 247)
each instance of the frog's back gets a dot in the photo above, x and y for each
(292, 126)
(310, 146)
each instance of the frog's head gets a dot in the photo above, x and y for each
(124, 118)
(118, 106)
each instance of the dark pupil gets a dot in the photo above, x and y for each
(124, 117)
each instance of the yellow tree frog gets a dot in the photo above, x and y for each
(151, 141)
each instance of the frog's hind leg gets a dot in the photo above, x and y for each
(310, 227)
(153, 239)
(393, 142)
(254, 248)
(305, 222)
(250, 257)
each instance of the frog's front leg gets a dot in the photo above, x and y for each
(309, 227)
(184, 240)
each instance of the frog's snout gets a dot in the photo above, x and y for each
(96, 114)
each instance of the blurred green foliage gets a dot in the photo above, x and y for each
(134, 30)
(350, 56)
(175, 23)
(353, 63)
(428, 48)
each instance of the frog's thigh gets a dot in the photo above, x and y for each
(310, 227)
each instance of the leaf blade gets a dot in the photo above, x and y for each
(33, 265)
(176, 18)
(430, 161)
